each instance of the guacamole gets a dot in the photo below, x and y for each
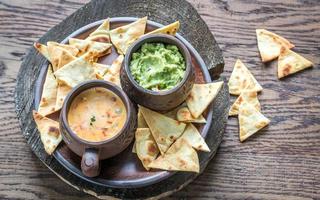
(157, 66)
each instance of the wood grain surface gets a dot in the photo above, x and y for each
(281, 162)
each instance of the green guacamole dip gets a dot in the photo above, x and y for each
(157, 66)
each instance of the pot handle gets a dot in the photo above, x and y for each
(90, 164)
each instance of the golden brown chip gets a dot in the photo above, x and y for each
(290, 62)
(270, 44)
(49, 132)
(113, 74)
(184, 115)
(145, 146)
(84, 46)
(246, 96)
(192, 135)
(164, 129)
(201, 96)
(170, 29)
(49, 94)
(123, 36)
(250, 121)
(62, 92)
(76, 72)
(179, 157)
(241, 79)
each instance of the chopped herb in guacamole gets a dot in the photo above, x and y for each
(157, 66)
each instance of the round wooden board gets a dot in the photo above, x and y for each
(211, 55)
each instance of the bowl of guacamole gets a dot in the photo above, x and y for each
(157, 66)
(157, 72)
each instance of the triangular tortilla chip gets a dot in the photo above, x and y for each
(43, 49)
(84, 46)
(184, 115)
(192, 135)
(76, 72)
(250, 121)
(201, 96)
(72, 50)
(59, 56)
(146, 147)
(246, 96)
(179, 157)
(269, 44)
(101, 69)
(141, 121)
(170, 29)
(49, 94)
(49, 132)
(241, 79)
(103, 29)
(164, 129)
(113, 74)
(122, 37)
(63, 91)
(290, 62)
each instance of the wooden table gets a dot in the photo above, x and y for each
(282, 162)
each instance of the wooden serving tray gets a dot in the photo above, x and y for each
(122, 176)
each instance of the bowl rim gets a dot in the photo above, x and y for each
(185, 53)
(77, 90)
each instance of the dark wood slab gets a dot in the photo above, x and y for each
(119, 178)
(280, 163)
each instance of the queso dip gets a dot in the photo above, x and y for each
(97, 114)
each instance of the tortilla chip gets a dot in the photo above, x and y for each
(113, 74)
(184, 115)
(103, 29)
(241, 79)
(250, 121)
(290, 62)
(164, 129)
(269, 44)
(49, 94)
(246, 96)
(146, 147)
(72, 50)
(141, 122)
(179, 157)
(63, 91)
(84, 46)
(43, 49)
(76, 72)
(170, 29)
(101, 69)
(192, 135)
(201, 96)
(49, 132)
(122, 37)
(59, 56)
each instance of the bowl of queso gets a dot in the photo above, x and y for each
(97, 121)
(157, 72)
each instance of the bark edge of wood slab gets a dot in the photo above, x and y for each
(193, 28)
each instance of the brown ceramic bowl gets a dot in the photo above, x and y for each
(92, 152)
(163, 99)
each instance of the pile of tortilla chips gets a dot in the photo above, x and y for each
(169, 141)
(243, 83)
(247, 105)
(272, 46)
(76, 62)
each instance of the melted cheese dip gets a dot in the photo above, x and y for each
(97, 114)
